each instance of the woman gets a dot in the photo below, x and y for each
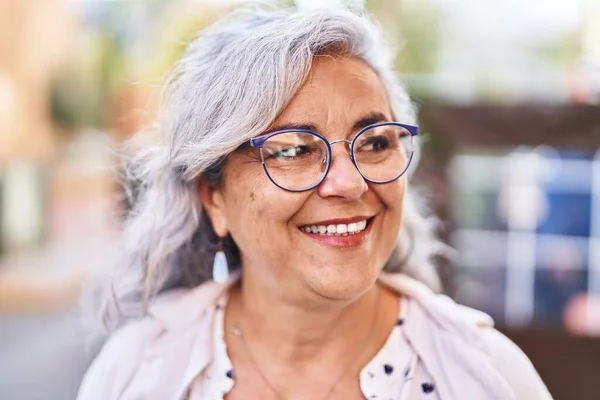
(252, 259)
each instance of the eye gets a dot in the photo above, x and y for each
(293, 148)
(290, 152)
(375, 143)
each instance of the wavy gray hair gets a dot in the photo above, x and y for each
(232, 82)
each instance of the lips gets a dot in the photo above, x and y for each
(339, 229)
(346, 232)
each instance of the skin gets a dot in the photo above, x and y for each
(309, 310)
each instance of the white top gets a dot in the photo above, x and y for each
(387, 376)
(161, 356)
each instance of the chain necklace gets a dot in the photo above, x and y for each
(238, 333)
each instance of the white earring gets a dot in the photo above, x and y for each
(220, 270)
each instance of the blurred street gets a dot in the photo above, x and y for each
(42, 356)
(43, 353)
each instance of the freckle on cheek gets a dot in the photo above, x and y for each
(252, 195)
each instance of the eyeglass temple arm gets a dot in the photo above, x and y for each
(255, 142)
(413, 129)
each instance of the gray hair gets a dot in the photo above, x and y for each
(232, 82)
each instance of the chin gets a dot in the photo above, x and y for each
(347, 284)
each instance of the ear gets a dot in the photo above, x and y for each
(213, 204)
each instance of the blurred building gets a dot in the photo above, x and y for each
(55, 182)
(32, 44)
(33, 40)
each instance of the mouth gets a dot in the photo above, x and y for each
(340, 227)
(349, 232)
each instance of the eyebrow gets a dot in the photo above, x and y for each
(369, 119)
(282, 127)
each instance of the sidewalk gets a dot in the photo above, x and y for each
(43, 352)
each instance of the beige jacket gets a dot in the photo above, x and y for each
(158, 357)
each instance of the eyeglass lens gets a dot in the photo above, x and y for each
(299, 160)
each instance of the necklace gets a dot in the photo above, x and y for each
(238, 333)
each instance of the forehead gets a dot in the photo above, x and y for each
(337, 91)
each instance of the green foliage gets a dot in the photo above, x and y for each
(415, 24)
(73, 103)
(419, 28)
(80, 94)
(563, 51)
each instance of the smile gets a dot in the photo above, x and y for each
(336, 229)
(346, 232)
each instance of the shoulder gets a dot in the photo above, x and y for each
(174, 320)
(476, 328)
(122, 355)
(117, 361)
(514, 366)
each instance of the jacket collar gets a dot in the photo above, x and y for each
(193, 312)
(183, 307)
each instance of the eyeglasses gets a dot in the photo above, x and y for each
(297, 160)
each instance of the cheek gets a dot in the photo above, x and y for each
(392, 196)
(244, 196)
(257, 211)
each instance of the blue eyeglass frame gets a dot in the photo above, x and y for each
(259, 141)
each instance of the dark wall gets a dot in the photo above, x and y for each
(569, 366)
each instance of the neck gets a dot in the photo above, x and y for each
(302, 328)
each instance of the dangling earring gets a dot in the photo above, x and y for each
(220, 270)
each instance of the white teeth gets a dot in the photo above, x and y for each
(337, 230)
(352, 227)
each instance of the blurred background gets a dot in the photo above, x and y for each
(509, 100)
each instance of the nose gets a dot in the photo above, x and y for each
(343, 179)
